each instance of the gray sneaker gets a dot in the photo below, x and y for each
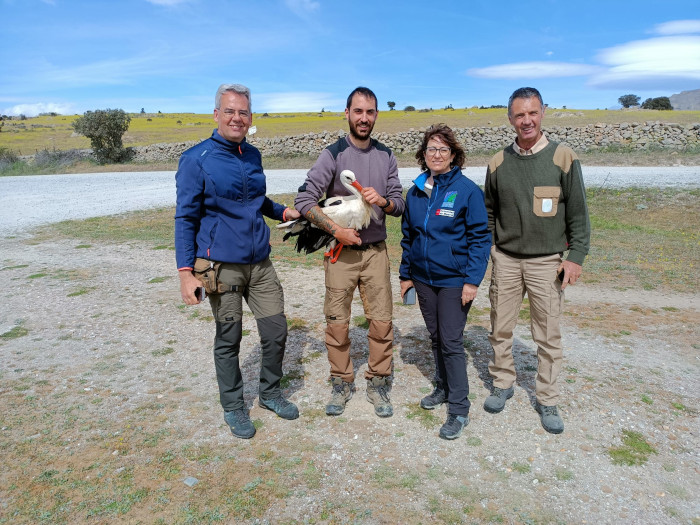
(378, 395)
(342, 393)
(434, 399)
(550, 418)
(453, 427)
(280, 406)
(239, 423)
(497, 400)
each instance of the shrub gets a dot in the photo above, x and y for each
(627, 101)
(661, 103)
(104, 128)
(409, 108)
(7, 158)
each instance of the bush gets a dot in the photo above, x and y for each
(7, 158)
(409, 108)
(55, 159)
(627, 101)
(104, 128)
(661, 103)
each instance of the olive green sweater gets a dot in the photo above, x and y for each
(537, 203)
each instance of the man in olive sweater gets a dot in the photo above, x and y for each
(536, 204)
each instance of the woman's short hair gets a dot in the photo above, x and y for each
(446, 135)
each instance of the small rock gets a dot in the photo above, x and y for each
(606, 489)
(190, 481)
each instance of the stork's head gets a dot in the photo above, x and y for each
(347, 177)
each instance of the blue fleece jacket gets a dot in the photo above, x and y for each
(221, 203)
(446, 241)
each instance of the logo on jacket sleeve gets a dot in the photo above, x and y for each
(450, 198)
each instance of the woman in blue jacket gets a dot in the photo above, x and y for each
(446, 244)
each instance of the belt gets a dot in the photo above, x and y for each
(363, 247)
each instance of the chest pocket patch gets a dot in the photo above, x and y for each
(546, 200)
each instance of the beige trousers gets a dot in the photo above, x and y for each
(369, 270)
(511, 278)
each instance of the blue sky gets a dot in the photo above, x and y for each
(70, 56)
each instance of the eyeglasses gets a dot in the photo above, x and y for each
(433, 151)
(231, 113)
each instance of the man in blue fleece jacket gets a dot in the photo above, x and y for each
(221, 238)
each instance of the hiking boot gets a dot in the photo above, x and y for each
(435, 399)
(342, 393)
(550, 418)
(280, 406)
(378, 395)
(239, 423)
(453, 427)
(497, 400)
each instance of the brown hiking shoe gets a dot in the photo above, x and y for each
(342, 393)
(378, 395)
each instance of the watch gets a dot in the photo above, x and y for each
(388, 203)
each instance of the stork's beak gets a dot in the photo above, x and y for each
(357, 186)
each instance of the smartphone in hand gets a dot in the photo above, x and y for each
(560, 275)
(409, 296)
(200, 293)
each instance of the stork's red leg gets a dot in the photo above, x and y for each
(334, 252)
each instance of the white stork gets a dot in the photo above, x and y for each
(351, 211)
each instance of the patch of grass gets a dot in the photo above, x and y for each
(15, 332)
(159, 279)
(296, 323)
(426, 418)
(162, 351)
(474, 441)
(522, 468)
(563, 474)
(290, 376)
(80, 291)
(360, 321)
(311, 356)
(635, 450)
(37, 275)
(646, 399)
(15, 267)
(679, 406)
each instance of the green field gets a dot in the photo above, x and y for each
(46, 132)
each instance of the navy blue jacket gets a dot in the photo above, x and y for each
(446, 240)
(221, 203)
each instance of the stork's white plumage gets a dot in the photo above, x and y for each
(351, 211)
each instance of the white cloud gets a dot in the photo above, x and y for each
(32, 110)
(678, 27)
(296, 101)
(533, 70)
(302, 7)
(664, 62)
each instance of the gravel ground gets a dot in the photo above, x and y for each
(109, 401)
(114, 382)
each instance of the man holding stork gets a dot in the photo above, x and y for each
(363, 262)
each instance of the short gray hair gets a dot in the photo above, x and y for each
(231, 88)
(524, 92)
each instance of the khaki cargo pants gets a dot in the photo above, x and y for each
(367, 269)
(511, 278)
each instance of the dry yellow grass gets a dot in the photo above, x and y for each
(46, 132)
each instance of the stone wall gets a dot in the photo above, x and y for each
(483, 139)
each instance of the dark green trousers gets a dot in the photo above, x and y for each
(259, 285)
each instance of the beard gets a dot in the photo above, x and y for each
(358, 134)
